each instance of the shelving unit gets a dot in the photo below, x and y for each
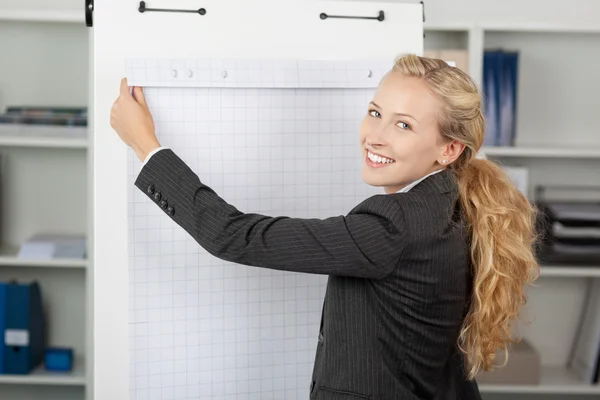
(557, 139)
(45, 181)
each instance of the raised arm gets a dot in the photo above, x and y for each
(366, 243)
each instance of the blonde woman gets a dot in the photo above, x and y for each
(424, 280)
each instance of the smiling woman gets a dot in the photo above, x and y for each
(424, 281)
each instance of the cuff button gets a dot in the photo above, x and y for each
(171, 210)
(157, 196)
(150, 189)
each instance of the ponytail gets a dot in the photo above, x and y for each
(500, 219)
(501, 222)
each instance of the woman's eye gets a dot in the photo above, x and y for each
(374, 113)
(403, 125)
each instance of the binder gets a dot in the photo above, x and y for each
(500, 94)
(491, 97)
(2, 323)
(24, 330)
(585, 355)
(508, 98)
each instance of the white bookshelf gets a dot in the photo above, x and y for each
(45, 174)
(558, 140)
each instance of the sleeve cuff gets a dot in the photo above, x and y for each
(151, 154)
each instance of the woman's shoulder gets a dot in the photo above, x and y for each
(434, 196)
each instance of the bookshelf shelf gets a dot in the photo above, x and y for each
(554, 380)
(8, 257)
(42, 16)
(542, 152)
(50, 378)
(570, 272)
(61, 143)
(42, 136)
(539, 27)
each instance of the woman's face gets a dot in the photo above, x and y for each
(399, 135)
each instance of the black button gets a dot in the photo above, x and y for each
(171, 210)
(163, 203)
(150, 189)
(321, 338)
(157, 196)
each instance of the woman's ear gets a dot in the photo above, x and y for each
(450, 152)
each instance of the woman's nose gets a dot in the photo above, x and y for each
(377, 137)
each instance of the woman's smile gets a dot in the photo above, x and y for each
(375, 160)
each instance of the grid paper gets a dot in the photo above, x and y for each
(203, 328)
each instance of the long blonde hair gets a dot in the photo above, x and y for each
(501, 220)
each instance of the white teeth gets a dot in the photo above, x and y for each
(378, 159)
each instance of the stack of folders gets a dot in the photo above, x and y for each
(585, 358)
(500, 84)
(70, 123)
(31, 115)
(53, 246)
(569, 232)
(22, 327)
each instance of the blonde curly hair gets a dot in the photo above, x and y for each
(501, 220)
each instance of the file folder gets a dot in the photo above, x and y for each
(24, 328)
(2, 324)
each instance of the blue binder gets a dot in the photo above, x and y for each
(508, 98)
(500, 84)
(491, 96)
(2, 324)
(24, 330)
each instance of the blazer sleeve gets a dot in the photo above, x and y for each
(365, 243)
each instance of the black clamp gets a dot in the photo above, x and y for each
(89, 10)
(142, 8)
(380, 17)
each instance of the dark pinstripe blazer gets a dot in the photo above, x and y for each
(398, 286)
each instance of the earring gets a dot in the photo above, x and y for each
(444, 161)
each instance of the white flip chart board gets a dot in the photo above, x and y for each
(263, 100)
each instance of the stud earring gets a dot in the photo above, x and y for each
(444, 161)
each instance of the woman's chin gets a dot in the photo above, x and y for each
(373, 181)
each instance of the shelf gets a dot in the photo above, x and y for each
(541, 152)
(570, 272)
(42, 16)
(41, 377)
(43, 136)
(554, 380)
(447, 27)
(8, 257)
(541, 27)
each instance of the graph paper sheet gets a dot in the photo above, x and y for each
(270, 137)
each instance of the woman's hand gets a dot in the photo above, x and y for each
(131, 119)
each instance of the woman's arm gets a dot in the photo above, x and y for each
(366, 243)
